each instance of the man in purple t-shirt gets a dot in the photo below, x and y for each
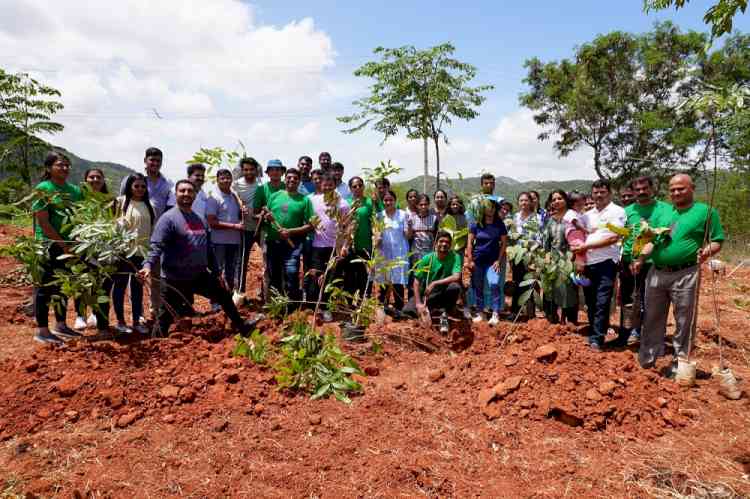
(182, 243)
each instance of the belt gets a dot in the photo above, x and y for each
(674, 268)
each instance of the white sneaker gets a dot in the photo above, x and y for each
(79, 324)
(494, 320)
(478, 318)
(327, 316)
(91, 321)
(467, 313)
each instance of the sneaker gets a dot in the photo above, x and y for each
(327, 316)
(91, 321)
(494, 320)
(65, 333)
(580, 280)
(467, 313)
(444, 324)
(80, 323)
(122, 329)
(634, 338)
(247, 327)
(478, 318)
(47, 338)
(595, 347)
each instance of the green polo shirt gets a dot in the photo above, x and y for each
(686, 237)
(289, 210)
(264, 192)
(60, 202)
(431, 268)
(635, 213)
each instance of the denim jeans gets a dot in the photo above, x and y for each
(282, 260)
(480, 284)
(599, 298)
(226, 259)
(126, 275)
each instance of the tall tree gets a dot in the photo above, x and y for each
(417, 91)
(619, 95)
(26, 110)
(719, 16)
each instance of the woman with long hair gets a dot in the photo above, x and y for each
(441, 203)
(421, 230)
(395, 248)
(134, 210)
(556, 236)
(411, 201)
(49, 218)
(93, 181)
(488, 239)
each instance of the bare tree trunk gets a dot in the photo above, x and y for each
(436, 139)
(597, 164)
(426, 165)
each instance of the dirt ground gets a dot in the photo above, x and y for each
(524, 411)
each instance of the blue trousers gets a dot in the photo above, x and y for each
(599, 298)
(283, 260)
(481, 287)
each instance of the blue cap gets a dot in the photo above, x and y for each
(275, 163)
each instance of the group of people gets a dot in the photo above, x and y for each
(196, 239)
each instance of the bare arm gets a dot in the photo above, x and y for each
(42, 218)
(215, 223)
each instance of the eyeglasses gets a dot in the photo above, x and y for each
(357, 186)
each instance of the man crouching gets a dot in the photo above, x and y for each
(182, 243)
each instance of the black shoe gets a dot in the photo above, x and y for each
(247, 327)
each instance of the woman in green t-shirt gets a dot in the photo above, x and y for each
(49, 217)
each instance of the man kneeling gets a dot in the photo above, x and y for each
(181, 243)
(437, 281)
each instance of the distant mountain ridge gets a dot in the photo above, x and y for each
(507, 187)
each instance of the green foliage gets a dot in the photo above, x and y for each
(732, 200)
(616, 96)
(460, 236)
(32, 253)
(216, 158)
(311, 361)
(26, 111)
(417, 91)
(256, 347)
(719, 16)
(547, 270)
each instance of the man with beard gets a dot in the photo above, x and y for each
(182, 243)
(645, 208)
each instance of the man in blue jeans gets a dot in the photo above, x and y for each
(288, 213)
(602, 258)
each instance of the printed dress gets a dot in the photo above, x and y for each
(394, 247)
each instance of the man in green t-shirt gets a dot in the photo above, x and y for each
(696, 235)
(437, 278)
(275, 170)
(288, 215)
(645, 208)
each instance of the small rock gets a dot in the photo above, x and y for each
(593, 395)
(44, 413)
(546, 353)
(259, 409)
(691, 413)
(527, 403)
(127, 419)
(275, 426)
(661, 401)
(220, 425)
(607, 387)
(511, 361)
(68, 386)
(398, 384)
(187, 395)
(486, 396)
(315, 419)
(492, 411)
(168, 419)
(169, 392)
(523, 413)
(564, 415)
(72, 416)
(509, 385)
(31, 366)
(436, 375)
(231, 363)
(372, 371)
(114, 398)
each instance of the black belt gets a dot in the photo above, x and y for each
(674, 268)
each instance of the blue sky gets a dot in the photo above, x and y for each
(275, 74)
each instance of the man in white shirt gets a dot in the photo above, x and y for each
(246, 186)
(197, 175)
(602, 258)
(337, 170)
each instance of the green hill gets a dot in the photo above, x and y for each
(113, 172)
(504, 186)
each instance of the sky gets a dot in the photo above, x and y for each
(185, 74)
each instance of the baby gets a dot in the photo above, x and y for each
(576, 232)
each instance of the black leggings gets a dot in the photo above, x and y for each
(43, 294)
